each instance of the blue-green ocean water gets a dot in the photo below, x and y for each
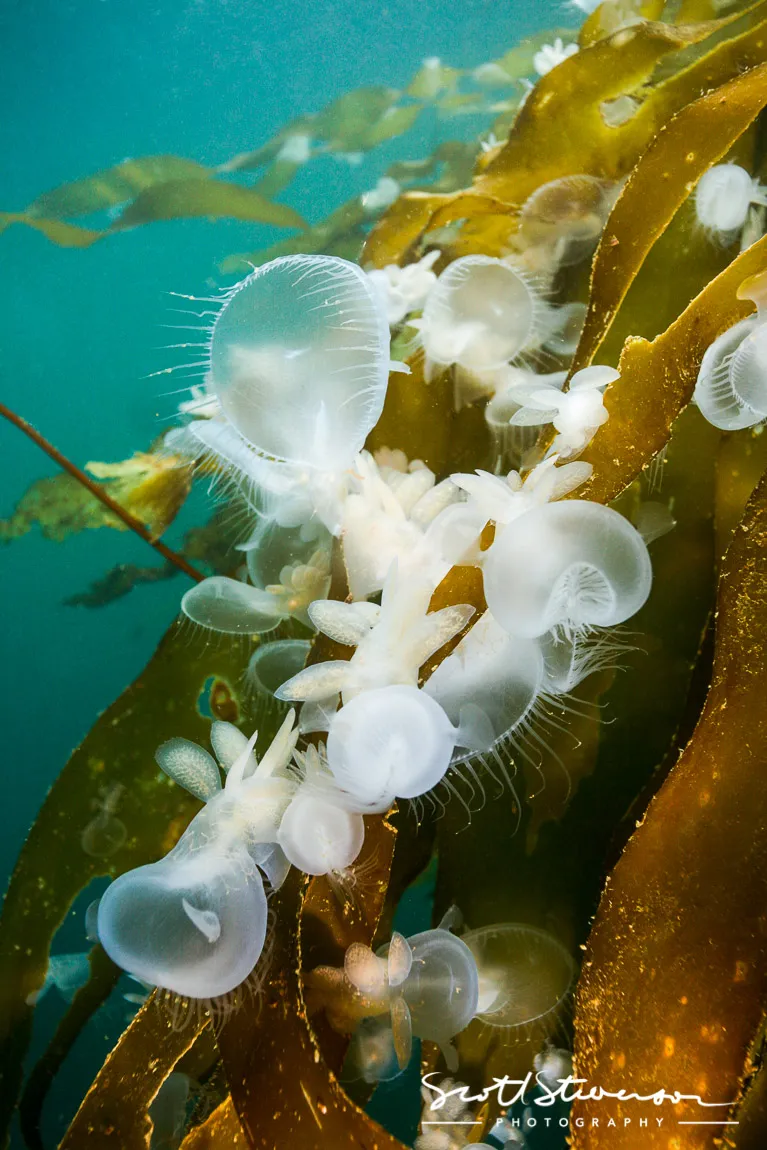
(84, 85)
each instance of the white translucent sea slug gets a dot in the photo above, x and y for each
(195, 922)
(731, 389)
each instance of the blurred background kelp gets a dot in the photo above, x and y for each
(259, 129)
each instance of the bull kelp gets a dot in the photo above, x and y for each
(436, 818)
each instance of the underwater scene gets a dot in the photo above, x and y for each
(384, 570)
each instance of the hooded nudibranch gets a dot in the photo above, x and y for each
(195, 922)
(723, 197)
(319, 833)
(428, 984)
(490, 682)
(524, 973)
(389, 742)
(574, 564)
(481, 313)
(731, 389)
(567, 215)
(299, 359)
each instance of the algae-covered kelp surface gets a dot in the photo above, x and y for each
(414, 611)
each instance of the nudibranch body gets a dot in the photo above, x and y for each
(551, 55)
(392, 641)
(404, 290)
(561, 221)
(236, 607)
(390, 515)
(723, 198)
(427, 984)
(319, 833)
(525, 975)
(481, 313)
(575, 565)
(576, 414)
(731, 389)
(195, 922)
(299, 360)
(387, 743)
(299, 367)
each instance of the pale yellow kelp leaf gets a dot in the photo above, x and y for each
(172, 200)
(560, 130)
(113, 186)
(221, 1130)
(563, 128)
(394, 122)
(401, 227)
(57, 231)
(114, 1112)
(697, 137)
(612, 15)
(182, 199)
(152, 486)
(675, 975)
(348, 123)
(433, 79)
(657, 380)
(340, 233)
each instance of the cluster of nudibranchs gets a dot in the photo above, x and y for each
(298, 373)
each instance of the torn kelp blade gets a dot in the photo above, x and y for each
(299, 359)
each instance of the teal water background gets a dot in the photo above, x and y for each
(84, 85)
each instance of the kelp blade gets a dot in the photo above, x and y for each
(680, 925)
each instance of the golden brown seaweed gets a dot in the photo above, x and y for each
(679, 927)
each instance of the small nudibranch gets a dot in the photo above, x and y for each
(566, 217)
(427, 984)
(272, 664)
(195, 922)
(551, 56)
(489, 684)
(576, 414)
(387, 743)
(404, 290)
(392, 641)
(723, 198)
(574, 565)
(525, 975)
(481, 313)
(299, 359)
(298, 364)
(731, 389)
(387, 517)
(319, 834)
(234, 607)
